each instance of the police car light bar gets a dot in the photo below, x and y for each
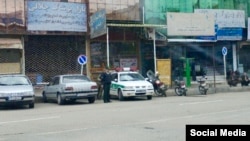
(126, 69)
(118, 69)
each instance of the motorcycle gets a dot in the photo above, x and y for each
(159, 87)
(203, 88)
(180, 87)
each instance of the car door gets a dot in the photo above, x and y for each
(53, 87)
(113, 89)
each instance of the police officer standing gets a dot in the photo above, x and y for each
(106, 82)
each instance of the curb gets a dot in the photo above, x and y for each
(211, 90)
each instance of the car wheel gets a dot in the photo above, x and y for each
(120, 96)
(45, 100)
(91, 99)
(60, 101)
(149, 97)
(31, 105)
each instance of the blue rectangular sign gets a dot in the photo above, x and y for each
(229, 34)
(56, 16)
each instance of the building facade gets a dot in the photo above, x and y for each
(51, 44)
(204, 50)
(49, 33)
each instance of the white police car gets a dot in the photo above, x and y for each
(129, 83)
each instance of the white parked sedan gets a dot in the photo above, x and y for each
(16, 89)
(70, 87)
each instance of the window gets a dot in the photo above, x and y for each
(55, 81)
(117, 51)
(114, 76)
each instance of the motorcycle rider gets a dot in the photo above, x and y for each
(233, 77)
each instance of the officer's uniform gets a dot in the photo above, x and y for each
(106, 81)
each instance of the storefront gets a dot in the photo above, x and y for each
(205, 58)
(243, 57)
(122, 49)
(49, 55)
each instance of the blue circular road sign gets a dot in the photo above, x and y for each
(82, 59)
(224, 51)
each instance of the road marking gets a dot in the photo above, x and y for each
(192, 116)
(63, 131)
(202, 102)
(27, 120)
(139, 123)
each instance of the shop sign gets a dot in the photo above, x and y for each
(209, 38)
(232, 34)
(225, 18)
(128, 62)
(98, 25)
(56, 16)
(190, 24)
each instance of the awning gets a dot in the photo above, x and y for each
(136, 25)
(190, 40)
(10, 43)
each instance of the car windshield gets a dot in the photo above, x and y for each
(72, 79)
(14, 80)
(131, 77)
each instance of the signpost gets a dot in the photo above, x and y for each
(82, 60)
(224, 53)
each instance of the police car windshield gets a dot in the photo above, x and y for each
(131, 77)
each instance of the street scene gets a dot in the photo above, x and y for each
(162, 118)
(124, 70)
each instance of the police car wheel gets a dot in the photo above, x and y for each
(149, 97)
(120, 96)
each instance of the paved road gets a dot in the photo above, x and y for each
(159, 119)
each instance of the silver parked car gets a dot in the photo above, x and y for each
(16, 89)
(70, 87)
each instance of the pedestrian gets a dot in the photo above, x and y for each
(244, 79)
(106, 78)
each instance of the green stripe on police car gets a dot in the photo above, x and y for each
(116, 86)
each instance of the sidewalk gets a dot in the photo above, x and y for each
(219, 88)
